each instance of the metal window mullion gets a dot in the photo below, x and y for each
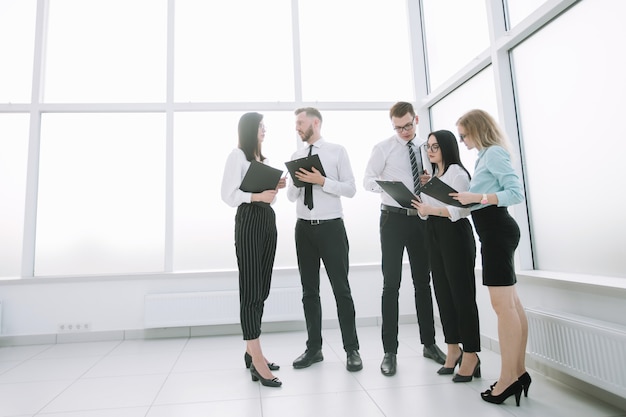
(34, 143)
(168, 258)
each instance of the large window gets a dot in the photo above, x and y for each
(571, 110)
(139, 108)
(116, 117)
(233, 51)
(355, 51)
(17, 34)
(101, 199)
(477, 93)
(105, 51)
(455, 33)
(13, 152)
(518, 10)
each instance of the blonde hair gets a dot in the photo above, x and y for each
(483, 129)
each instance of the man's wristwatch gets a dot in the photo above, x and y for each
(484, 200)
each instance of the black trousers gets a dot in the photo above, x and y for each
(452, 251)
(397, 232)
(255, 245)
(325, 242)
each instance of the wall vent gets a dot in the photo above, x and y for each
(591, 350)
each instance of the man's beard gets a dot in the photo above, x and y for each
(307, 134)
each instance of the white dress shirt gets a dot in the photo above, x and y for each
(339, 182)
(390, 161)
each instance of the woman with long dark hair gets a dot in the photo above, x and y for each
(452, 252)
(255, 242)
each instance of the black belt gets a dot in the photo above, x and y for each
(316, 222)
(399, 210)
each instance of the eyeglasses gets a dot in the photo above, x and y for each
(462, 137)
(406, 128)
(434, 147)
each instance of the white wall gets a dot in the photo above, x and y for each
(38, 306)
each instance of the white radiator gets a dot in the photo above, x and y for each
(591, 350)
(216, 307)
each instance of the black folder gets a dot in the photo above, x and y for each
(439, 190)
(398, 191)
(260, 177)
(307, 163)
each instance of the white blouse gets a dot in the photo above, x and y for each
(235, 169)
(457, 178)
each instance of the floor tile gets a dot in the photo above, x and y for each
(205, 376)
(106, 393)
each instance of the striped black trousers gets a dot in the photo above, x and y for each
(255, 246)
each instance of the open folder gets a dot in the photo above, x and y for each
(439, 190)
(307, 163)
(260, 177)
(398, 191)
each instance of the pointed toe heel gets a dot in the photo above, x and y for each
(515, 389)
(468, 378)
(449, 371)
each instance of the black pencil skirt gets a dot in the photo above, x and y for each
(499, 236)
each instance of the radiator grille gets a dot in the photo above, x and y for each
(216, 307)
(591, 350)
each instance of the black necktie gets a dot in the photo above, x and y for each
(416, 167)
(308, 189)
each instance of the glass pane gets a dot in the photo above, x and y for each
(571, 108)
(477, 93)
(355, 51)
(203, 223)
(101, 206)
(358, 132)
(17, 38)
(519, 10)
(106, 51)
(455, 32)
(13, 162)
(239, 50)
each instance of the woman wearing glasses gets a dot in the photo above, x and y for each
(496, 186)
(452, 252)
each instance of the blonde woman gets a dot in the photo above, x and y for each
(495, 186)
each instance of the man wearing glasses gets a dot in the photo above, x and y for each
(400, 158)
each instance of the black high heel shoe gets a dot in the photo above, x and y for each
(524, 379)
(274, 382)
(468, 378)
(248, 360)
(515, 388)
(449, 371)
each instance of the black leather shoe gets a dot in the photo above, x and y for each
(433, 352)
(308, 358)
(354, 362)
(388, 366)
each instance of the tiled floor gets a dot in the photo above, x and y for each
(205, 376)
